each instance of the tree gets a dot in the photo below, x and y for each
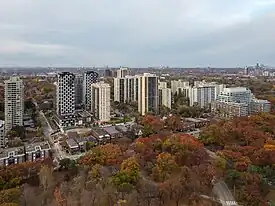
(46, 183)
(10, 196)
(165, 166)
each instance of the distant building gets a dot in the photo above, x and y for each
(126, 89)
(108, 73)
(259, 105)
(229, 110)
(100, 98)
(148, 93)
(2, 134)
(122, 72)
(204, 93)
(175, 84)
(90, 77)
(14, 103)
(236, 95)
(165, 98)
(238, 101)
(65, 99)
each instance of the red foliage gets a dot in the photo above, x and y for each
(191, 141)
(22, 171)
(241, 166)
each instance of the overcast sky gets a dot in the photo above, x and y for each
(137, 33)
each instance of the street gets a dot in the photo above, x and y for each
(220, 188)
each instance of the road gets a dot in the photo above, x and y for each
(220, 188)
(224, 194)
(59, 153)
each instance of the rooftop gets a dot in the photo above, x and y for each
(122, 128)
(72, 135)
(260, 101)
(111, 130)
(236, 89)
(4, 153)
(72, 143)
(37, 146)
(99, 131)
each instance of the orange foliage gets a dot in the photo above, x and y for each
(109, 154)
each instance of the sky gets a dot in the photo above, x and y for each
(137, 33)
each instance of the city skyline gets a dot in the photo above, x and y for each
(137, 33)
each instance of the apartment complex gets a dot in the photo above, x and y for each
(175, 84)
(90, 77)
(165, 97)
(148, 93)
(122, 72)
(100, 96)
(126, 89)
(14, 103)
(238, 101)
(65, 99)
(32, 152)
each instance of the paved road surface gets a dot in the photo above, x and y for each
(224, 194)
(221, 190)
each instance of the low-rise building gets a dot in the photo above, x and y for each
(230, 109)
(37, 150)
(112, 131)
(9, 156)
(76, 143)
(259, 105)
(101, 135)
(83, 117)
(198, 122)
(72, 146)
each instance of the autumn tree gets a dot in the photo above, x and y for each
(165, 166)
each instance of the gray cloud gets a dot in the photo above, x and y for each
(137, 33)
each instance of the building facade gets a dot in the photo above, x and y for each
(165, 98)
(126, 89)
(238, 101)
(259, 105)
(14, 103)
(122, 72)
(100, 98)
(90, 77)
(175, 84)
(148, 93)
(79, 89)
(65, 99)
(2, 134)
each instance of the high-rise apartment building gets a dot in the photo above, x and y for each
(14, 103)
(122, 72)
(79, 89)
(90, 77)
(165, 97)
(175, 84)
(126, 89)
(148, 93)
(100, 97)
(203, 94)
(162, 85)
(65, 99)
